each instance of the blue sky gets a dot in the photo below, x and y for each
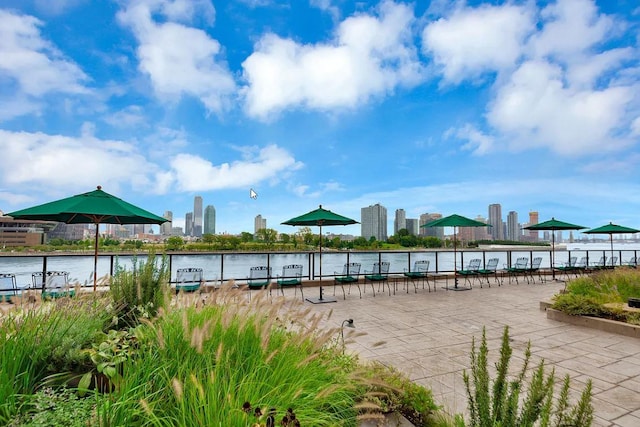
(441, 106)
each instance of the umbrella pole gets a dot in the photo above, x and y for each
(553, 254)
(95, 259)
(455, 260)
(611, 241)
(320, 260)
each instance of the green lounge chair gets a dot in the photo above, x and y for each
(54, 285)
(471, 271)
(349, 276)
(419, 273)
(291, 277)
(379, 274)
(490, 269)
(188, 279)
(259, 278)
(518, 269)
(8, 287)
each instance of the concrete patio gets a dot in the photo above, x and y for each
(428, 336)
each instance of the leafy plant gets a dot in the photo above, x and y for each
(142, 291)
(502, 401)
(56, 407)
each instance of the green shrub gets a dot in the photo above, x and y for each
(502, 401)
(59, 407)
(140, 292)
(36, 342)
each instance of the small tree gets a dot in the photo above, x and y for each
(175, 243)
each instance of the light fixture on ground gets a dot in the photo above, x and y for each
(345, 323)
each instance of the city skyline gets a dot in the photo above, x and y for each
(443, 106)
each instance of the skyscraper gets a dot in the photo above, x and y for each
(374, 222)
(533, 220)
(513, 228)
(165, 228)
(197, 216)
(413, 226)
(188, 224)
(495, 220)
(431, 231)
(400, 221)
(259, 223)
(209, 220)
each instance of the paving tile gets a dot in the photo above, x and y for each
(429, 335)
(627, 421)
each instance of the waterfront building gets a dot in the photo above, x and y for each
(373, 221)
(67, 231)
(413, 226)
(533, 220)
(23, 232)
(259, 223)
(188, 224)
(430, 231)
(513, 228)
(165, 228)
(197, 216)
(209, 220)
(400, 221)
(495, 220)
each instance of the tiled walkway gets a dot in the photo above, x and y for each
(428, 336)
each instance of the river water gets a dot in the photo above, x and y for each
(226, 266)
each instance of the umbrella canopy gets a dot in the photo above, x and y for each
(95, 207)
(553, 225)
(455, 221)
(320, 217)
(612, 229)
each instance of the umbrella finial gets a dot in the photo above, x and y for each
(99, 187)
(320, 206)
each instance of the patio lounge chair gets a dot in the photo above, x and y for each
(491, 269)
(419, 273)
(613, 261)
(631, 262)
(379, 274)
(56, 284)
(188, 279)
(259, 278)
(535, 269)
(349, 276)
(291, 277)
(518, 269)
(8, 287)
(602, 262)
(568, 267)
(471, 270)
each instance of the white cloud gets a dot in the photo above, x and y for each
(31, 67)
(178, 59)
(370, 56)
(470, 41)
(194, 173)
(39, 160)
(558, 86)
(130, 116)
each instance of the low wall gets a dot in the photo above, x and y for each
(605, 325)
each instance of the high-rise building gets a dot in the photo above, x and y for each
(533, 220)
(197, 216)
(495, 220)
(188, 224)
(430, 231)
(373, 222)
(413, 226)
(165, 228)
(259, 223)
(400, 221)
(209, 220)
(513, 228)
(482, 233)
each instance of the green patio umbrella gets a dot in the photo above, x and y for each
(612, 229)
(455, 221)
(320, 217)
(95, 207)
(553, 225)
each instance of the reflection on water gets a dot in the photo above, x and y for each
(236, 265)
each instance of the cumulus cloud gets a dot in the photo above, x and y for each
(194, 173)
(558, 85)
(179, 60)
(369, 56)
(472, 41)
(48, 161)
(31, 67)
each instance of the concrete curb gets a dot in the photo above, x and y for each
(605, 325)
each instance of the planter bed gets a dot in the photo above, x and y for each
(606, 325)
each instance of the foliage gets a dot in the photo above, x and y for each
(174, 243)
(37, 341)
(502, 401)
(393, 391)
(587, 295)
(198, 366)
(141, 291)
(51, 408)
